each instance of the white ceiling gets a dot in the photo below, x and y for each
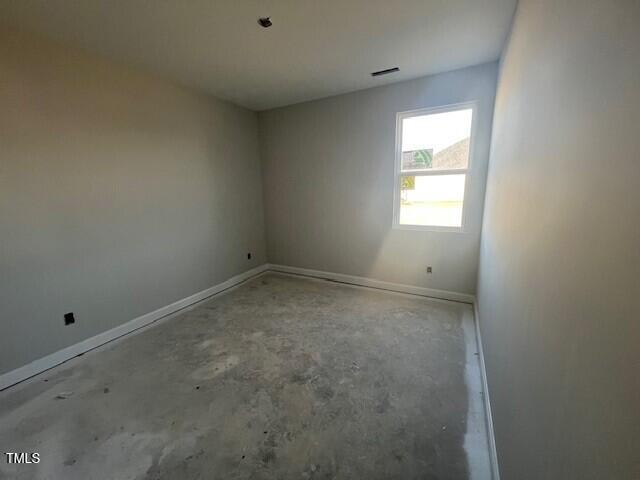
(314, 49)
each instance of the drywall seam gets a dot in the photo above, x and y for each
(493, 452)
(373, 283)
(45, 363)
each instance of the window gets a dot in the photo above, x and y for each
(432, 164)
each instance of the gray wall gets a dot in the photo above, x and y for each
(559, 282)
(119, 194)
(328, 168)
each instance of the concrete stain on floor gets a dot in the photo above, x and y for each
(280, 378)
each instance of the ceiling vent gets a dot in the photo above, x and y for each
(385, 72)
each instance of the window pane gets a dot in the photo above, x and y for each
(436, 141)
(433, 200)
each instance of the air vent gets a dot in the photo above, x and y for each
(385, 72)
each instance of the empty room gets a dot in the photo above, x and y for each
(340, 239)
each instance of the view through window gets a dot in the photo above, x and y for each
(431, 168)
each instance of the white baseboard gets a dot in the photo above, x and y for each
(493, 453)
(45, 363)
(370, 282)
(427, 292)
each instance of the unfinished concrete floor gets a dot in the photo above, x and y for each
(282, 377)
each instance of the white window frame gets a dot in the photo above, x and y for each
(400, 116)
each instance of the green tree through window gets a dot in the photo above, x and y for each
(424, 158)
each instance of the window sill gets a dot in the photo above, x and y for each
(429, 228)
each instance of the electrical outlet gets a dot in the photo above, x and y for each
(69, 318)
(249, 256)
(429, 269)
